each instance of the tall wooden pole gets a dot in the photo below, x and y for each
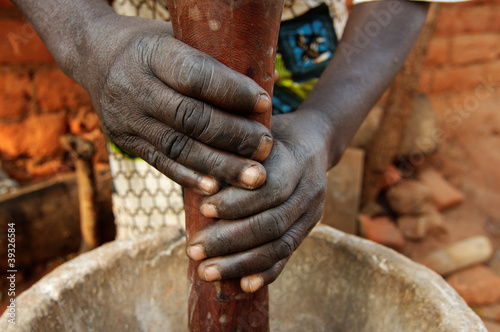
(242, 34)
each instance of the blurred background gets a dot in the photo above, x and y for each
(440, 192)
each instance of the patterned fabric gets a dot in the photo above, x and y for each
(157, 9)
(306, 44)
(143, 198)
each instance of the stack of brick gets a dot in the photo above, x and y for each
(464, 52)
(38, 104)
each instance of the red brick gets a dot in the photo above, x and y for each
(34, 137)
(426, 80)
(19, 44)
(443, 194)
(27, 170)
(494, 262)
(492, 72)
(56, 91)
(392, 176)
(408, 197)
(464, 78)
(495, 21)
(459, 18)
(417, 227)
(382, 230)
(478, 285)
(6, 4)
(486, 2)
(446, 20)
(478, 18)
(468, 49)
(438, 52)
(413, 227)
(43, 169)
(85, 120)
(15, 94)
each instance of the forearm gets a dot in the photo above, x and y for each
(62, 25)
(366, 61)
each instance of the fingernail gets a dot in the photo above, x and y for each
(265, 146)
(208, 210)
(208, 185)
(253, 176)
(263, 104)
(196, 252)
(255, 283)
(212, 273)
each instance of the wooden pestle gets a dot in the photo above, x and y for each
(242, 34)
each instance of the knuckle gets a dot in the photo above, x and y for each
(117, 83)
(153, 157)
(192, 116)
(276, 225)
(249, 138)
(219, 243)
(146, 47)
(174, 145)
(263, 227)
(196, 72)
(128, 143)
(276, 270)
(213, 162)
(278, 185)
(283, 248)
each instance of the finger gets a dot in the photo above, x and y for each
(205, 123)
(254, 282)
(234, 203)
(199, 157)
(218, 238)
(198, 75)
(187, 178)
(258, 259)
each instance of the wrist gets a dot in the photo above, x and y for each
(310, 129)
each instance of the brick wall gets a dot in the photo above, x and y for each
(38, 103)
(465, 49)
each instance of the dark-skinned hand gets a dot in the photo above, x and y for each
(162, 101)
(259, 229)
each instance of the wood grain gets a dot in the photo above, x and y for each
(242, 34)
